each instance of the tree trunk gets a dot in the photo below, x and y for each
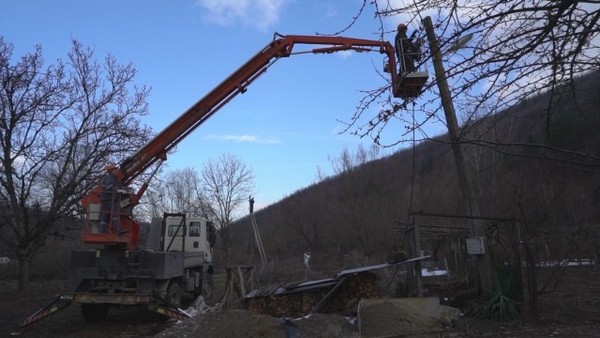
(23, 273)
(225, 244)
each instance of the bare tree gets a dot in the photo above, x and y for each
(182, 186)
(227, 183)
(348, 161)
(304, 216)
(359, 197)
(152, 205)
(59, 127)
(179, 190)
(495, 55)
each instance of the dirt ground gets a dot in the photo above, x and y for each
(572, 311)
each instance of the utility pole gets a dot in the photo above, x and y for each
(484, 264)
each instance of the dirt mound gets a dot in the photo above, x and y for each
(243, 323)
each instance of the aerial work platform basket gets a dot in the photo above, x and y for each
(410, 84)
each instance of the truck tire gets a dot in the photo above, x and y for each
(174, 294)
(94, 312)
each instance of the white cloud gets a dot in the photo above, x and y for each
(327, 10)
(345, 54)
(243, 138)
(261, 14)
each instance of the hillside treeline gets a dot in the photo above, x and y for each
(534, 170)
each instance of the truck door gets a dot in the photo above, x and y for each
(174, 234)
(194, 240)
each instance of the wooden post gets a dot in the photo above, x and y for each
(410, 271)
(239, 280)
(418, 272)
(471, 205)
(518, 248)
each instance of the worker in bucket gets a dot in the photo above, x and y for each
(406, 50)
(109, 200)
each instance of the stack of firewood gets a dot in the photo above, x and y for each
(343, 300)
(352, 291)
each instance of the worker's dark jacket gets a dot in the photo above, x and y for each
(110, 186)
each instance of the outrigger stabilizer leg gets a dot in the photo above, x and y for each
(161, 305)
(169, 311)
(59, 302)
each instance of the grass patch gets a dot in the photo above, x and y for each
(503, 305)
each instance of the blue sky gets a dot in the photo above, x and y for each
(285, 125)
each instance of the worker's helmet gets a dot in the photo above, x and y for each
(401, 27)
(110, 167)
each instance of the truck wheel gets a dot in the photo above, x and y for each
(94, 312)
(174, 294)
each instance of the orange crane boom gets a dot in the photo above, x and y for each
(157, 148)
(236, 83)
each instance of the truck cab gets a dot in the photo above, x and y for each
(195, 236)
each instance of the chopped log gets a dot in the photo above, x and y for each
(350, 290)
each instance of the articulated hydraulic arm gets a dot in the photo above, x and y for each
(157, 149)
(236, 83)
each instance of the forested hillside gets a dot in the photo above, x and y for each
(537, 162)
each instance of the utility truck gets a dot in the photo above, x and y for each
(119, 269)
(170, 263)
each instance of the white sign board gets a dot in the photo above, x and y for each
(476, 245)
